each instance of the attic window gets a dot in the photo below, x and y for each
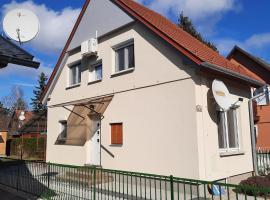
(75, 74)
(124, 57)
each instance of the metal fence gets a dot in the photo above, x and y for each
(52, 181)
(263, 161)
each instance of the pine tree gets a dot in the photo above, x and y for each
(3, 109)
(186, 24)
(36, 104)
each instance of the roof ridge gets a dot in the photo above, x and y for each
(183, 39)
(173, 24)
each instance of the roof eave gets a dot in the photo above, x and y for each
(230, 73)
(18, 61)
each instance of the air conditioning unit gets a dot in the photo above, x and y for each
(89, 47)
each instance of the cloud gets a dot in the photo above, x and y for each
(204, 13)
(255, 43)
(55, 26)
(259, 40)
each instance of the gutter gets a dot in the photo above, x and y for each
(231, 73)
(252, 131)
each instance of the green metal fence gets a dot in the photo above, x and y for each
(53, 181)
(263, 162)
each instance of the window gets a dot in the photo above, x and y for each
(96, 72)
(117, 134)
(124, 57)
(63, 133)
(75, 74)
(228, 130)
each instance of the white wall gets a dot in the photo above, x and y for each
(213, 165)
(156, 103)
(159, 131)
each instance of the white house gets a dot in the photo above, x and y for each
(142, 101)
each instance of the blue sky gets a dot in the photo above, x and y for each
(224, 22)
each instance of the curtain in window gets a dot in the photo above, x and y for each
(98, 72)
(221, 130)
(232, 128)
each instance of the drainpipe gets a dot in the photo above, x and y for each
(252, 132)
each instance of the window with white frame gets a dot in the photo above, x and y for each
(63, 133)
(124, 57)
(228, 130)
(96, 72)
(75, 74)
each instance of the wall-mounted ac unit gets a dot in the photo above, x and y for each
(89, 47)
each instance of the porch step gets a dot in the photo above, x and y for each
(81, 176)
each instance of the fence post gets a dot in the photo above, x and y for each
(18, 176)
(94, 183)
(48, 176)
(171, 185)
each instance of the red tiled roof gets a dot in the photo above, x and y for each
(177, 37)
(182, 40)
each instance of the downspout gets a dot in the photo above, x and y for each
(252, 132)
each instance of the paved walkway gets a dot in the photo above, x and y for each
(5, 195)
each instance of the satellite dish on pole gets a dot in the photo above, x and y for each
(21, 25)
(22, 116)
(221, 95)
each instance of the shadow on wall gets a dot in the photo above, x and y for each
(30, 177)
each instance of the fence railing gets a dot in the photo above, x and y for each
(263, 162)
(53, 181)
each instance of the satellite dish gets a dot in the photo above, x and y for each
(21, 25)
(221, 95)
(22, 116)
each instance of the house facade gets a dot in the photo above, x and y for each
(261, 69)
(144, 102)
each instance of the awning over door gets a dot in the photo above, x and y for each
(79, 122)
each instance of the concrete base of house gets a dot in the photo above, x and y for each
(238, 178)
(3, 156)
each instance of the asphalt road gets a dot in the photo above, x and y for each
(5, 195)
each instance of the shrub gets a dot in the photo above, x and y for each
(256, 186)
(32, 147)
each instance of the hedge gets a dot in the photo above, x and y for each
(31, 148)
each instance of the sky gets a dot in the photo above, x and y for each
(224, 22)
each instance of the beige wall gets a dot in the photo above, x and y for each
(159, 131)
(212, 164)
(155, 62)
(150, 121)
(163, 132)
(4, 143)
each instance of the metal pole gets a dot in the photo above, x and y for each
(252, 132)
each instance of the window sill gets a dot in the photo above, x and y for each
(116, 145)
(231, 153)
(73, 86)
(122, 72)
(95, 81)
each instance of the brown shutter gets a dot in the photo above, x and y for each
(117, 133)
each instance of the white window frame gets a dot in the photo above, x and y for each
(228, 148)
(78, 73)
(92, 72)
(117, 47)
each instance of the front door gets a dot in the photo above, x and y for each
(95, 144)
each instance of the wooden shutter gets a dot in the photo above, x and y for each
(117, 133)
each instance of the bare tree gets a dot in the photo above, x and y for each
(15, 100)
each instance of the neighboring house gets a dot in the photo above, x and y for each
(15, 124)
(144, 101)
(3, 133)
(259, 68)
(35, 127)
(11, 53)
